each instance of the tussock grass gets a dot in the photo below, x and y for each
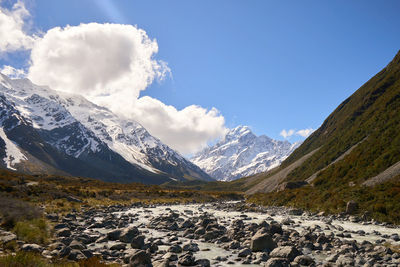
(26, 259)
(32, 231)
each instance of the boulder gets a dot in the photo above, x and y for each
(170, 256)
(76, 255)
(32, 248)
(286, 252)
(64, 252)
(114, 234)
(140, 258)
(128, 234)
(275, 228)
(351, 207)
(304, 260)
(345, 260)
(277, 262)
(138, 242)
(190, 246)
(6, 237)
(175, 249)
(296, 212)
(76, 245)
(262, 241)
(187, 260)
(64, 232)
(118, 246)
(244, 253)
(202, 263)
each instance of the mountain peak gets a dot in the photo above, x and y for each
(238, 132)
(242, 153)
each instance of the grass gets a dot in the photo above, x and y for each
(32, 231)
(26, 259)
(381, 202)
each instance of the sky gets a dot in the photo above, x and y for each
(190, 70)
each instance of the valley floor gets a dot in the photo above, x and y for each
(66, 221)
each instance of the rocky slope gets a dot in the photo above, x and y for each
(241, 153)
(43, 130)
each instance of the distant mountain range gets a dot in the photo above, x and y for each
(241, 153)
(46, 131)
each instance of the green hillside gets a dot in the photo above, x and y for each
(358, 141)
(371, 113)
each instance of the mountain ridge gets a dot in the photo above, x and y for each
(242, 153)
(74, 130)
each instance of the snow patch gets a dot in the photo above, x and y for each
(13, 154)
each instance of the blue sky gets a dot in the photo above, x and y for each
(272, 65)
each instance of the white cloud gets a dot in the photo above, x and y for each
(13, 36)
(186, 130)
(108, 63)
(303, 132)
(13, 72)
(287, 134)
(111, 64)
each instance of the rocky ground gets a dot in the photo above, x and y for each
(219, 234)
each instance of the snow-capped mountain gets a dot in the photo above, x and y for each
(241, 153)
(68, 134)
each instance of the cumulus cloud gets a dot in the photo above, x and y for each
(186, 130)
(303, 132)
(287, 134)
(13, 36)
(108, 63)
(13, 72)
(111, 64)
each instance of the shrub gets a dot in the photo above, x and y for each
(23, 259)
(14, 210)
(32, 231)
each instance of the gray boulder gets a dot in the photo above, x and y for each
(128, 234)
(351, 207)
(262, 241)
(140, 258)
(202, 263)
(304, 260)
(190, 246)
(187, 260)
(114, 234)
(286, 252)
(76, 255)
(32, 248)
(175, 249)
(244, 253)
(64, 232)
(118, 246)
(277, 262)
(6, 237)
(138, 242)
